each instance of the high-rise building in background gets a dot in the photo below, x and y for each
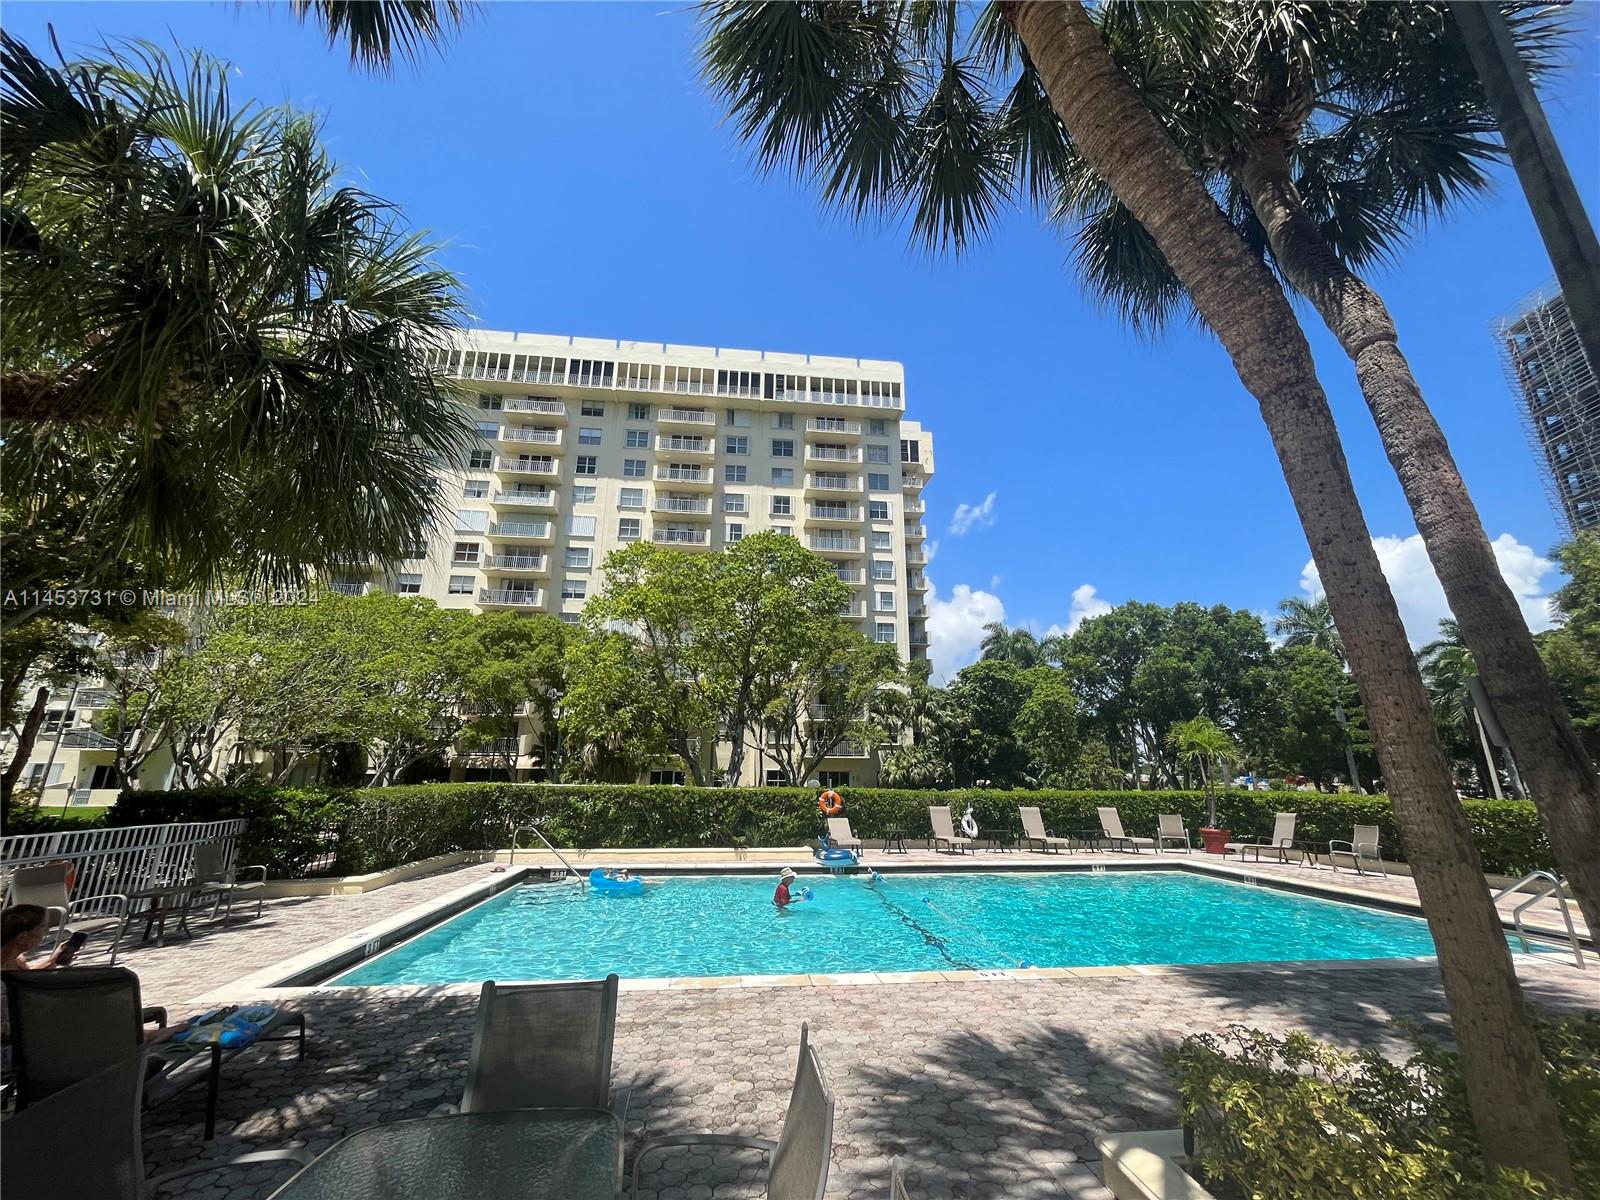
(1560, 402)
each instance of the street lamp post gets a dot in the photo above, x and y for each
(1349, 750)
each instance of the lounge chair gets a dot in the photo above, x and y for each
(1033, 831)
(1280, 843)
(85, 1141)
(1111, 826)
(1170, 828)
(897, 1183)
(1362, 847)
(46, 886)
(944, 829)
(544, 1045)
(71, 1023)
(220, 883)
(840, 835)
(797, 1166)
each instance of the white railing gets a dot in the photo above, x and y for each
(119, 861)
(554, 408)
(685, 416)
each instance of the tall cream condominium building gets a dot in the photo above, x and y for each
(588, 444)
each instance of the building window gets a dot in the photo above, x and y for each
(475, 489)
(882, 539)
(579, 558)
(878, 510)
(460, 585)
(733, 531)
(735, 473)
(883, 631)
(588, 435)
(628, 529)
(490, 403)
(885, 600)
(480, 459)
(782, 476)
(583, 493)
(734, 502)
(834, 779)
(637, 439)
(580, 526)
(736, 445)
(408, 584)
(739, 418)
(783, 420)
(877, 454)
(878, 427)
(782, 506)
(586, 464)
(631, 498)
(672, 778)
(464, 552)
(638, 412)
(882, 569)
(877, 481)
(782, 447)
(910, 450)
(592, 408)
(633, 468)
(488, 429)
(578, 589)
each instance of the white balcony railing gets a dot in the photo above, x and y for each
(543, 437)
(836, 545)
(834, 425)
(535, 404)
(520, 529)
(847, 574)
(682, 475)
(527, 465)
(684, 416)
(679, 504)
(832, 454)
(917, 583)
(516, 562)
(916, 533)
(833, 483)
(525, 499)
(833, 512)
(916, 558)
(512, 597)
(676, 444)
(911, 480)
(681, 537)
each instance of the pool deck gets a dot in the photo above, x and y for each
(988, 1085)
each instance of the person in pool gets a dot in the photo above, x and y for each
(784, 897)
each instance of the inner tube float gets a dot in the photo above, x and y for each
(601, 882)
(830, 803)
(834, 856)
(969, 824)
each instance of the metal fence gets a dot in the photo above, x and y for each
(121, 860)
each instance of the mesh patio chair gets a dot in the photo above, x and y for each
(220, 883)
(841, 835)
(1280, 843)
(85, 1141)
(1170, 828)
(897, 1182)
(1362, 847)
(1111, 826)
(797, 1165)
(944, 829)
(46, 886)
(1033, 831)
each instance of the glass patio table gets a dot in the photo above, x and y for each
(529, 1153)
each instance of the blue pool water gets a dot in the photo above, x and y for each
(727, 925)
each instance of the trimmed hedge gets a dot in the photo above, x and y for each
(373, 829)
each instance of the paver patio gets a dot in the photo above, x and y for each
(988, 1089)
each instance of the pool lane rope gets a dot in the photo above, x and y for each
(976, 936)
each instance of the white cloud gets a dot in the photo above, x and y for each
(995, 581)
(931, 550)
(1420, 597)
(973, 516)
(1085, 604)
(955, 626)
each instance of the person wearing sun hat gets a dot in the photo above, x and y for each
(781, 897)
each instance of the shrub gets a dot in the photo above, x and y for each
(290, 831)
(1294, 1119)
(25, 818)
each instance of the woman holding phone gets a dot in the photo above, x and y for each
(22, 928)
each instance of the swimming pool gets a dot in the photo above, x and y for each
(727, 925)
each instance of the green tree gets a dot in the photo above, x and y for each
(1313, 686)
(134, 666)
(1308, 623)
(823, 698)
(516, 666)
(1016, 646)
(1205, 747)
(982, 706)
(1446, 665)
(615, 720)
(1047, 728)
(1572, 649)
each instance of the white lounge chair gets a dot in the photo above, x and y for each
(1033, 831)
(1170, 828)
(1362, 847)
(1280, 843)
(840, 835)
(944, 829)
(46, 886)
(1111, 826)
(797, 1166)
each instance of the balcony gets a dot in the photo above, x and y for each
(527, 465)
(685, 416)
(92, 698)
(684, 476)
(916, 558)
(531, 500)
(520, 531)
(681, 446)
(682, 506)
(917, 583)
(915, 507)
(526, 564)
(830, 484)
(832, 454)
(919, 639)
(511, 597)
(856, 610)
(837, 514)
(850, 575)
(850, 547)
(538, 437)
(917, 612)
(535, 404)
(911, 481)
(349, 587)
(916, 533)
(834, 427)
(847, 750)
(694, 539)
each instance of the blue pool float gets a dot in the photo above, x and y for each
(835, 857)
(600, 883)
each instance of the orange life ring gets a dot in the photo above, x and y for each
(830, 803)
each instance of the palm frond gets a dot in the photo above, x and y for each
(380, 32)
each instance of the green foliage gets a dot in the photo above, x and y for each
(1571, 651)
(291, 831)
(22, 817)
(1290, 1118)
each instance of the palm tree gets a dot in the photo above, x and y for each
(217, 357)
(1308, 623)
(377, 32)
(1017, 646)
(1333, 130)
(1204, 746)
(893, 117)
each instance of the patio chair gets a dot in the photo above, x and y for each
(1111, 826)
(1362, 847)
(897, 1183)
(544, 1045)
(797, 1166)
(46, 886)
(1033, 831)
(944, 829)
(86, 1141)
(220, 882)
(840, 834)
(71, 1023)
(1280, 843)
(1170, 828)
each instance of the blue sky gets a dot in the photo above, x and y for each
(575, 165)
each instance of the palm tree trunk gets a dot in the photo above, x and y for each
(1510, 1101)
(1537, 724)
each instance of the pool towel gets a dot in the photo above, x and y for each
(227, 1026)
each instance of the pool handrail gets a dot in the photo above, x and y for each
(521, 829)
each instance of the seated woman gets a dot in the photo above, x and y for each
(22, 928)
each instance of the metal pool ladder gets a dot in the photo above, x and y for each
(538, 833)
(1550, 886)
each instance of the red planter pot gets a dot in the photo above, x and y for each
(1216, 839)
